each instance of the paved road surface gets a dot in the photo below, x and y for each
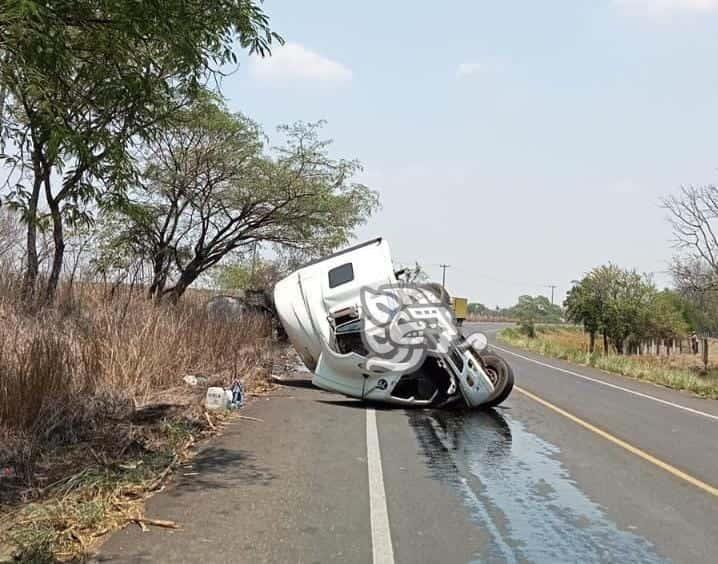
(577, 466)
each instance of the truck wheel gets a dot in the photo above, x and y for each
(501, 376)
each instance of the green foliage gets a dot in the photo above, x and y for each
(701, 310)
(209, 188)
(84, 78)
(84, 81)
(625, 307)
(234, 276)
(317, 205)
(249, 274)
(528, 328)
(530, 310)
(536, 309)
(669, 316)
(475, 308)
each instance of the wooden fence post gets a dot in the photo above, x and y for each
(705, 354)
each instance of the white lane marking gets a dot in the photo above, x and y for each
(382, 549)
(597, 381)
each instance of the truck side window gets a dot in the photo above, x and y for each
(341, 275)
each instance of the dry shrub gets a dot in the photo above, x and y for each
(66, 370)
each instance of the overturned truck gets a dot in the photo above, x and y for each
(366, 332)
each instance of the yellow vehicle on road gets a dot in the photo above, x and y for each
(461, 309)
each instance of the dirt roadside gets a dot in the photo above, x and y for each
(83, 493)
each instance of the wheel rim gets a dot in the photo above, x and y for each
(493, 375)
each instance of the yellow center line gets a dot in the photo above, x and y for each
(623, 444)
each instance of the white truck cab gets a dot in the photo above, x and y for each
(321, 310)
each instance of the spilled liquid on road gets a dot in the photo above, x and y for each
(519, 493)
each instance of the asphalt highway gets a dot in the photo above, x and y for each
(576, 466)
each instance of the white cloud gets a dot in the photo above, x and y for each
(294, 62)
(469, 69)
(663, 7)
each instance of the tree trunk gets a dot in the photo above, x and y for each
(32, 268)
(705, 355)
(58, 238)
(160, 270)
(591, 341)
(159, 281)
(177, 291)
(605, 343)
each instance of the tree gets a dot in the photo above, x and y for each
(82, 81)
(531, 310)
(626, 308)
(208, 188)
(694, 283)
(584, 304)
(476, 308)
(527, 312)
(249, 274)
(694, 218)
(668, 318)
(613, 301)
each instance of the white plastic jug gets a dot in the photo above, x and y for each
(216, 398)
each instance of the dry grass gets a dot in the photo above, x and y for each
(89, 347)
(94, 490)
(93, 408)
(678, 371)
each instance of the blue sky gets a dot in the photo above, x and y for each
(521, 142)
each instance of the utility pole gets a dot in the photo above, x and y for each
(552, 289)
(443, 274)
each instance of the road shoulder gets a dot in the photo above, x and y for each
(277, 490)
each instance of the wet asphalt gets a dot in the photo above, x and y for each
(520, 483)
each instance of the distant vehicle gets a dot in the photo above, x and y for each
(323, 311)
(460, 307)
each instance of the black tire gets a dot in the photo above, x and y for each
(501, 374)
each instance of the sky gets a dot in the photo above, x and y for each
(521, 142)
